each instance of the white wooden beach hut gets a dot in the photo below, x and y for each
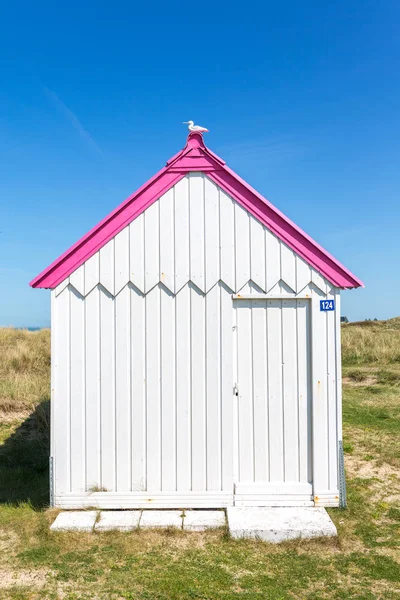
(195, 351)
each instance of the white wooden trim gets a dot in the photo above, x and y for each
(52, 378)
(245, 501)
(338, 332)
(145, 500)
(235, 430)
(327, 498)
(273, 488)
(275, 296)
(320, 447)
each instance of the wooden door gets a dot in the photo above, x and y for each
(273, 408)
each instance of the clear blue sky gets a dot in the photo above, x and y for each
(302, 99)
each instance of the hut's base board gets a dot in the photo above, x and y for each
(257, 496)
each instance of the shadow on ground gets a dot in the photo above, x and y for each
(24, 461)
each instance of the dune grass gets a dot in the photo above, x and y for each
(371, 342)
(363, 563)
(24, 369)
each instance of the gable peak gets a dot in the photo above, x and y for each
(195, 140)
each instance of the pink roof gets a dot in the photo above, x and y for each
(197, 157)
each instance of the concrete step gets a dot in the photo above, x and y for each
(127, 520)
(278, 524)
(275, 524)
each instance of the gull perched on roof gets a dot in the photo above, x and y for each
(192, 127)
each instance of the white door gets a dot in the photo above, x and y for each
(273, 408)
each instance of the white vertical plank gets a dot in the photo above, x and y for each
(107, 267)
(77, 279)
(153, 400)
(284, 288)
(257, 253)
(226, 371)
(123, 389)
(182, 251)
(288, 267)
(136, 252)
(196, 208)
(260, 390)
(245, 387)
(227, 240)
(213, 387)
(290, 405)
(304, 395)
(211, 226)
(138, 386)
(151, 246)
(61, 406)
(272, 260)
(53, 318)
(92, 371)
(318, 280)
(275, 406)
(183, 390)
(107, 384)
(61, 287)
(235, 397)
(168, 407)
(77, 382)
(242, 246)
(319, 395)
(167, 245)
(121, 248)
(331, 396)
(338, 364)
(53, 299)
(92, 272)
(198, 391)
(303, 274)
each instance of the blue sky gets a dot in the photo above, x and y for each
(301, 99)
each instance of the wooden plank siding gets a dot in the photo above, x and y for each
(144, 367)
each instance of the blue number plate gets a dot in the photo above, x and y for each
(326, 305)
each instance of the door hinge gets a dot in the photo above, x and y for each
(235, 390)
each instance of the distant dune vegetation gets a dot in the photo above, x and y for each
(366, 342)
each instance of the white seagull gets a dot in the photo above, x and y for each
(192, 127)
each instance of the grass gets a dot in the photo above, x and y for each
(363, 563)
(371, 342)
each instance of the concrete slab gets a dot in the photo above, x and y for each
(278, 524)
(161, 518)
(75, 520)
(122, 520)
(200, 520)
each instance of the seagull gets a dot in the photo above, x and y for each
(192, 127)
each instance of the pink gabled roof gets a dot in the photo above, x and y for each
(197, 157)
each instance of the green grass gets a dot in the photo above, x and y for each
(363, 563)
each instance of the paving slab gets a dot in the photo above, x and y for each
(277, 524)
(74, 520)
(161, 518)
(122, 520)
(200, 520)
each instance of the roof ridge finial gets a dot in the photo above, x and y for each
(195, 140)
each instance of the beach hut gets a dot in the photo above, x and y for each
(195, 340)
